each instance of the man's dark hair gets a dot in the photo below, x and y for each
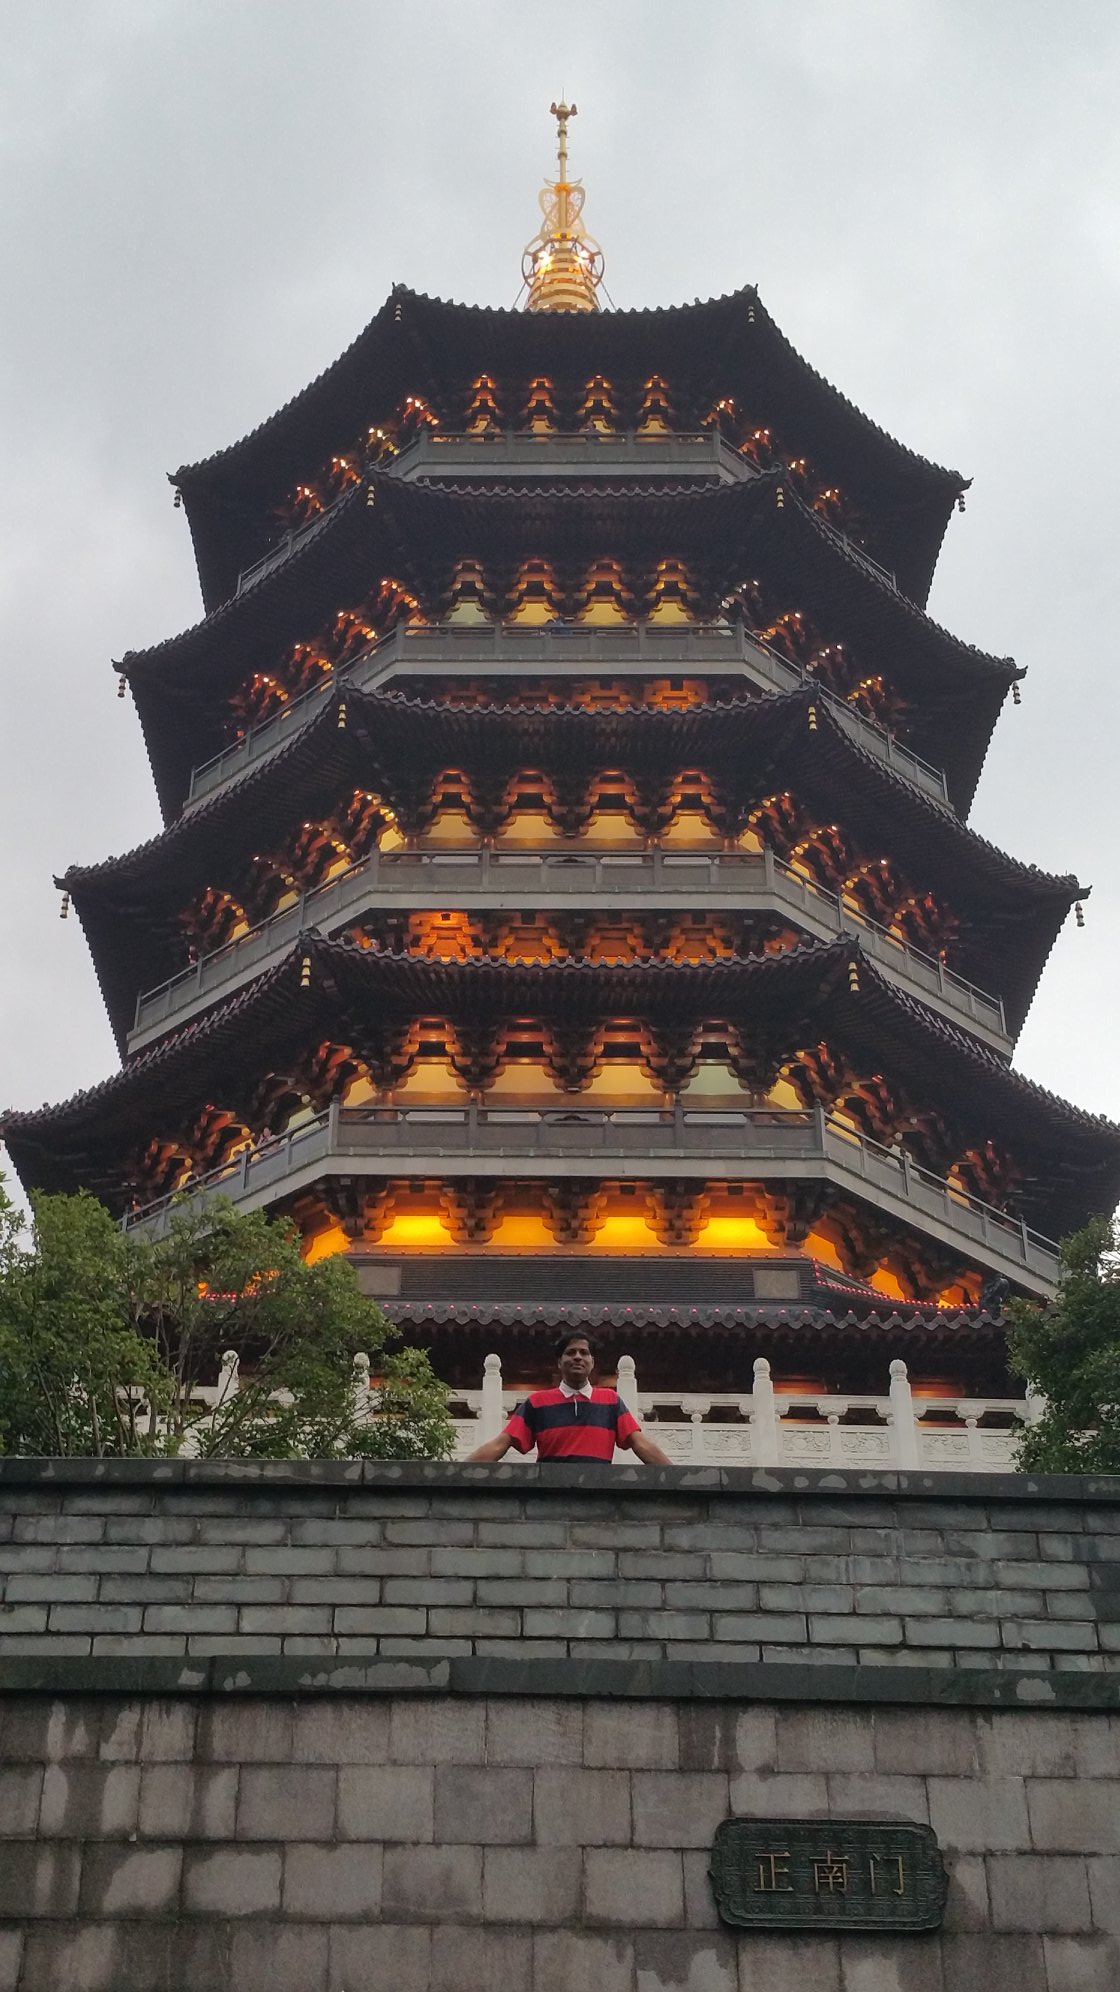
(576, 1335)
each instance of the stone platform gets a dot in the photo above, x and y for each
(433, 1729)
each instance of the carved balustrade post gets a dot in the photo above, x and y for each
(902, 1418)
(492, 1415)
(360, 1387)
(764, 1417)
(627, 1384)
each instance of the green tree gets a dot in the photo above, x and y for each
(75, 1375)
(106, 1340)
(1069, 1352)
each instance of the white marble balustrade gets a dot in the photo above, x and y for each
(762, 1427)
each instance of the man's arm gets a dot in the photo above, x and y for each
(492, 1450)
(648, 1453)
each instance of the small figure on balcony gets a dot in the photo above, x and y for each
(575, 1420)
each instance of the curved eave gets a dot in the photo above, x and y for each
(127, 904)
(417, 531)
(414, 343)
(323, 986)
(699, 1341)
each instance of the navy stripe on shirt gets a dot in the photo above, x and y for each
(539, 1417)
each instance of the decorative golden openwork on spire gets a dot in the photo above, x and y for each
(563, 265)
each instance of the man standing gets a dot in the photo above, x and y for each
(575, 1420)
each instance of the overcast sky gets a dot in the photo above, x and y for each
(205, 200)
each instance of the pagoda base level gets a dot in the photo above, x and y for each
(714, 1348)
(570, 1276)
(700, 1329)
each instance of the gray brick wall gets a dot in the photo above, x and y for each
(301, 1729)
(535, 1845)
(695, 1566)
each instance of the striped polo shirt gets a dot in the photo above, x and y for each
(566, 1424)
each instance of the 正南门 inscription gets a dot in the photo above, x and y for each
(845, 1874)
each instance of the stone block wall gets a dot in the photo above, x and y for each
(505, 1843)
(702, 1565)
(433, 1729)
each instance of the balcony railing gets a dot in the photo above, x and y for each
(554, 650)
(895, 1431)
(764, 1142)
(541, 880)
(517, 453)
(514, 453)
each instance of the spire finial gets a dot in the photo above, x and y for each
(563, 264)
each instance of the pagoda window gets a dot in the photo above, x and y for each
(613, 792)
(390, 604)
(415, 414)
(540, 417)
(483, 414)
(923, 921)
(874, 890)
(380, 445)
(470, 602)
(673, 599)
(607, 695)
(676, 694)
(255, 701)
(211, 920)
(300, 507)
(699, 941)
(450, 790)
(535, 597)
(758, 446)
(692, 791)
(722, 416)
(987, 1172)
(655, 414)
(598, 411)
(529, 939)
(442, 936)
(821, 856)
(603, 599)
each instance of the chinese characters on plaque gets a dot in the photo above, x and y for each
(831, 1874)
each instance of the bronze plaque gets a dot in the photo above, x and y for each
(828, 1874)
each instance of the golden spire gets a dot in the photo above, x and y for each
(563, 265)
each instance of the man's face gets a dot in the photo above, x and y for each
(576, 1363)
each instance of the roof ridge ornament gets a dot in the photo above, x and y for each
(563, 265)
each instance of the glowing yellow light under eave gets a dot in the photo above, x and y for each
(416, 1232)
(886, 1284)
(325, 1244)
(733, 1234)
(624, 1232)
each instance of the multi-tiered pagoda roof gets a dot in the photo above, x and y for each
(565, 902)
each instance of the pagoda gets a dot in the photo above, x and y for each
(566, 905)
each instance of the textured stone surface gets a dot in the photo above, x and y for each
(934, 1570)
(332, 1874)
(387, 1817)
